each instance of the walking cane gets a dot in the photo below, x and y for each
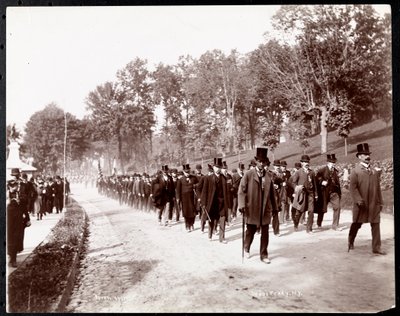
(202, 207)
(242, 235)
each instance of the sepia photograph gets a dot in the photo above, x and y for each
(199, 159)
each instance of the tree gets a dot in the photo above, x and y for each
(123, 110)
(337, 48)
(44, 138)
(340, 117)
(167, 87)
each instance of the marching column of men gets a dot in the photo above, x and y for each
(263, 196)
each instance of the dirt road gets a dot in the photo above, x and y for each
(135, 265)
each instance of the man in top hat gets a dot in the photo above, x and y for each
(59, 195)
(214, 197)
(277, 183)
(228, 177)
(185, 195)
(285, 193)
(366, 193)
(256, 200)
(198, 175)
(163, 192)
(199, 188)
(17, 215)
(237, 175)
(304, 180)
(297, 166)
(329, 191)
(177, 203)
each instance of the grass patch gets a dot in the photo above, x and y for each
(39, 282)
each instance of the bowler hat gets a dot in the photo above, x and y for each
(297, 165)
(210, 167)
(15, 172)
(277, 163)
(305, 158)
(164, 168)
(252, 163)
(331, 158)
(261, 154)
(198, 167)
(224, 165)
(283, 163)
(186, 167)
(363, 149)
(241, 166)
(218, 162)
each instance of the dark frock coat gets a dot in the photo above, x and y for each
(163, 192)
(325, 191)
(250, 198)
(185, 193)
(16, 219)
(209, 186)
(366, 187)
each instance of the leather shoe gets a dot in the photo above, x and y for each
(12, 264)
(223, 241)
(266, 260)
(350, 246)
(379, 252)
(247, 255)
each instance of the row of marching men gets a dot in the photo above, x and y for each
(172, 193)
(264, 195)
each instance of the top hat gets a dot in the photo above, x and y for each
(224, 165)
(297, 165)
(261, 154)
(305, 158)
(331, 158)
(283, 163)
(218, 162)
(186, 167)
(241, 166)
(15, 172)
(164, 168)
(198, 167)
(363, 149)
(277, 163)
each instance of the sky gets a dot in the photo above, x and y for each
(60, 54)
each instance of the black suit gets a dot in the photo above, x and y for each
(163, 190)
(214, 197)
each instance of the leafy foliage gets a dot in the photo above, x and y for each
(44, 138)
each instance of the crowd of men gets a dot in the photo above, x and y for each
(37, 196)
(265, 194)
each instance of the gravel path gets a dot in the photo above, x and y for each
(135, 265)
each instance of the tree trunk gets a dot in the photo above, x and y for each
(324, 130)
(120, 153)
